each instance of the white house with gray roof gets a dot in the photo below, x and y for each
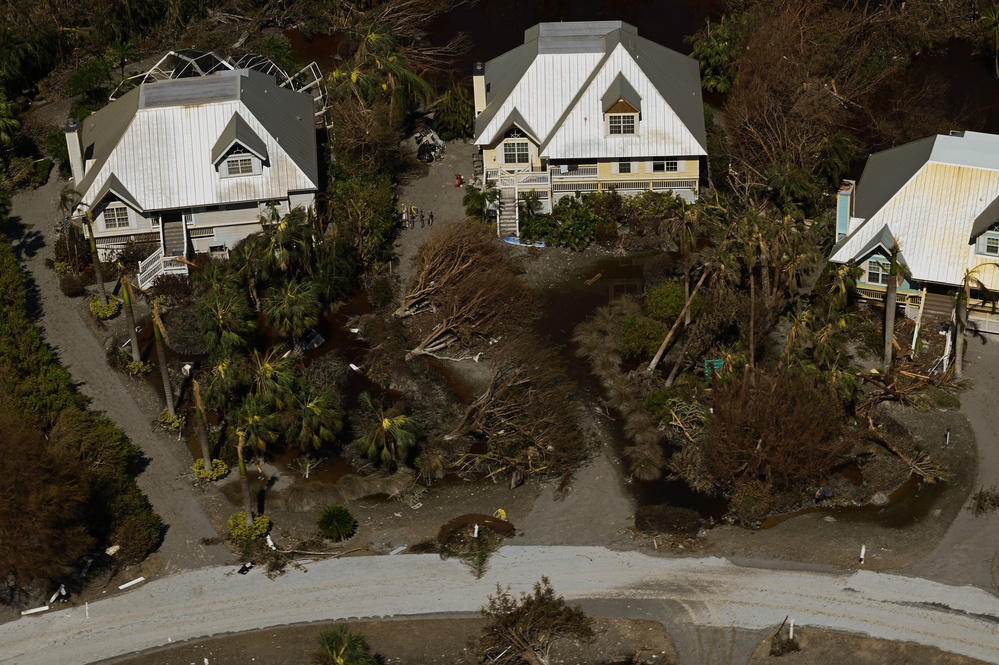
(585, 107)
(192, 163)
(938, 197)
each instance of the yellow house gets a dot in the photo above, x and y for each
(586, 107)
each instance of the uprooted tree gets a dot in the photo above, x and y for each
(524, 629)
(448, 258)
(523, 412)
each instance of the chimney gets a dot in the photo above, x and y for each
(844, 208)
(479, 86)
(75, 149)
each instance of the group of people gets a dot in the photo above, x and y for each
(413, 214)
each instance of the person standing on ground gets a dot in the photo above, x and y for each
(430, 220)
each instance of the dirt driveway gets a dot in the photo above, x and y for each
(166, 479)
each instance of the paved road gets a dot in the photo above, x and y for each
(709, 593)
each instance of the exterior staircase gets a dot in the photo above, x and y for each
(938, 307)
(508, 226)
(174, 238)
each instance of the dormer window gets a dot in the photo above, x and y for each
(116, 216)
(621, 123)
(240, 162)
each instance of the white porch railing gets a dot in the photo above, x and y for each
(155, 265)
(578, 172)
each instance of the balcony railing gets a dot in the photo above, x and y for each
(901, 297)
(578, 172)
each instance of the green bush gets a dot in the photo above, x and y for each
(942, 398)
(71, 286)
(174, 423)
(665, 301)
(104, 312)
(138, 368)
(243, 534)
(336, 523)
(219, 469)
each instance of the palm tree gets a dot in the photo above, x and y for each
(478, 199)
(272, 376)
(317, 419)
(226, 319)
(158, 338)
(685, 229)
(293, 308)
(95, 257)
(339, 646)
(255, 426)
(972, 280)
(390, 434)
(891, 292)
(202, 425)
(126, 299)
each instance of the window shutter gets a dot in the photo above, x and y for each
(614, 169)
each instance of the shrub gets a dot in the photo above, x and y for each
(243, 534)
(942, 398)
(71, 286)
(665, 301)
(338, 645)
(336, 523)
(174, 423)
(219, 469)
(104, 312)
(61, 268)
(138, 368)
(782, 428)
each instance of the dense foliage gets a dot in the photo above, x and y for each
(73, 482)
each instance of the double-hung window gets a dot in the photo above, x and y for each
(621, 123)
(878, 272)
(239, 162)
(624, 167)
(989, 244)
(116, 217)
(516, 152)
(665, 166)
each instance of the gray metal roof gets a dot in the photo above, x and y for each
(113, 186)
(238, 131)
(621, 89)
(559, 67)
(886, 172)
(190, 91)
(158, 141)
(985, 220)
(883, 240)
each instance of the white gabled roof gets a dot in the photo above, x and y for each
(935, 196)
(157, 141)
(557, 83)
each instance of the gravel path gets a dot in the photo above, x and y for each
(968, 552)
(707, 593)
(166, 479)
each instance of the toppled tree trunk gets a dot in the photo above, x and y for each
(481, 306)
(448, 258)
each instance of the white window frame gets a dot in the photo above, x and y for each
(984, 242)
(624, 167)
(116, 209)
(878, 272)
(238, 163)
(513, 148)
(665, 165)
(619, 123)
